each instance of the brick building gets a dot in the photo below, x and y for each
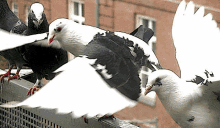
(126, 15)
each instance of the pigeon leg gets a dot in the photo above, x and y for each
(106, 117)
(6, 74)
(85, 119)
(36, 87)
(16, 76)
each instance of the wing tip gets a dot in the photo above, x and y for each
(11, 104)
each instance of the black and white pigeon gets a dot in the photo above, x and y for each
(192, 101)
(83, 34)
(102, 79)
(42, 60)
(11, 23)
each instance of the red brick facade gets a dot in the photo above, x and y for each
(120, 15)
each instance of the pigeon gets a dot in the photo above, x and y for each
(11, 23)
(192, 100)
(102, 79)
(42, 60)
(81, 38)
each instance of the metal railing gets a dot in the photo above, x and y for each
(21, 117)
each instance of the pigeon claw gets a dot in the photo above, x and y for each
(4, 75)
(34, 88)
(85, 120)
(106, 117)
(16, 76)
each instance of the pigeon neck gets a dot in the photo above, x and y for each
(72, 43)
(76, 48)
(75, 37)
(33, 29)
(84, 33)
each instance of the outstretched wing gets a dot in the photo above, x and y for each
(11, 40)
(197, 42)
(80, 90)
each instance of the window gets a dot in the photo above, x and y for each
(15, 8)
(76, 11)
(149, 23)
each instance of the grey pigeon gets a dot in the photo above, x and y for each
(42, 60)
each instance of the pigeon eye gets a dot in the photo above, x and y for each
(59, 29)
(157, 82)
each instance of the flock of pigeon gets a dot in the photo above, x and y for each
(42, 60)
(104, 76)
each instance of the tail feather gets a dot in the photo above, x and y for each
(143, 33)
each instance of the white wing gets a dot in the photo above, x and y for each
(197, 41)
(11, 40)
(80, 90)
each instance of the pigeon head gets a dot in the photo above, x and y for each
(160, 79)
(56, 30)
(36, 14)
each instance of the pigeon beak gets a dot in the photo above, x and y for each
(37, 22)
(148, 89)
(50, 40)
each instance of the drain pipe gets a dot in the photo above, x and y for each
(97, 13)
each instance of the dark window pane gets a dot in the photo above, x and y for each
(16, 13)
(154, 47)
(15, 6)
(145, 23)
(83, 10)
(154, 27)
(76, 8)
(28, 8)
(144, 77)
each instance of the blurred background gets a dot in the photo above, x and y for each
(125, 16)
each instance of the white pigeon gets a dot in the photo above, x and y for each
(192, 101)
(102, 80)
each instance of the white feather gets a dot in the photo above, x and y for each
(80, 91)
(11, 40)
(197, 41)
